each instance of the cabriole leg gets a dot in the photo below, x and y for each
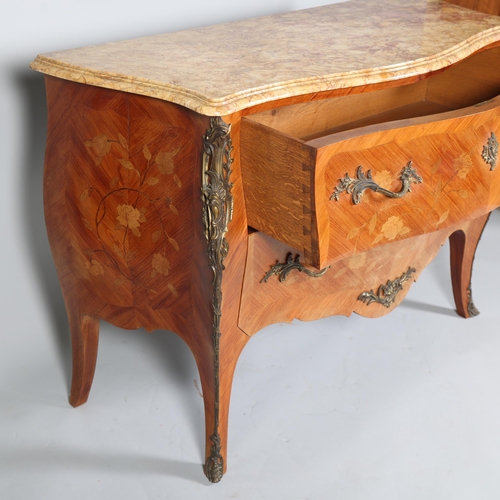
(84, 342)
(216, 368)
(463, 244)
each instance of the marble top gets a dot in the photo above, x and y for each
(221, 69)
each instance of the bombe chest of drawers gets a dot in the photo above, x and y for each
(217, 180)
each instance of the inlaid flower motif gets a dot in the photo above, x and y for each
(94, 268)
(463, 165)
(383, 178)
(393, 227)
(101, 146)
(165, 161)
(131, 217)
(161, 265)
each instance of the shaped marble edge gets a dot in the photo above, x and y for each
(228, 104)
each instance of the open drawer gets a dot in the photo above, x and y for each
(340, 176)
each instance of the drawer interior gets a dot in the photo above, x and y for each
(471, 81)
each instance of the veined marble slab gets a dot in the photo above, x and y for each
(217, 70)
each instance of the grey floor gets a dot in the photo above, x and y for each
(402, 407)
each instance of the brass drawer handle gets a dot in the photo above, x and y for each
(283, 270)
(490, 151)
(386, 294)
(356, 187)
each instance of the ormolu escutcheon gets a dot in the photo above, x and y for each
(490, 151)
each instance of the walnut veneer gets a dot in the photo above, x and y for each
(320, 177)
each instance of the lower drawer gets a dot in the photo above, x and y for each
(271, 297)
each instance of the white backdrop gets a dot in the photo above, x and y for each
(402, 407)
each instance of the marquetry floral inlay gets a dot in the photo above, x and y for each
(463, 165)
(160, 264)
(443, 217)
(101, 146)
(94, 268)
(165, 161)
(131, 217)
(392, 228)
(384, 178)
(133, 201)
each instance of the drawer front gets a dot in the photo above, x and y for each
(394, 184)
(287, 294)
(411, 176)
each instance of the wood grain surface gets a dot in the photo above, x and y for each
(486, 6)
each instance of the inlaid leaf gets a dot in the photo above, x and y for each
(340, 272)
(172, 289)
(85, 195)
(146, 152)
(117, 250)
(152, 181)
(435, 168)
(177, 181)
(438, 188)
(98, 161)
(378, 238)
(125, 163)
(463, 194)
(176, 212)
(156, 236)
(123, 141)
(119, 281)
(353, 233)
(135, 232)
(87, 224)
(114, 182)
(372, 224)
(443, 217)
(173, 243)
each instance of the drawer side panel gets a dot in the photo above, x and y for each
(278, 180)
